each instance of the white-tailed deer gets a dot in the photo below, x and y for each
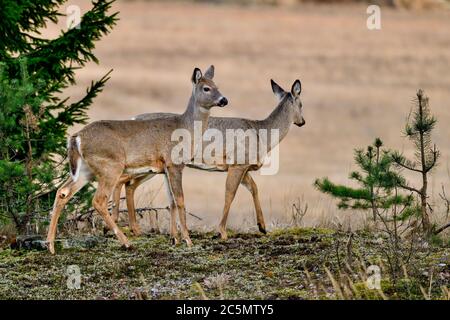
(105, 150)
(289, 110)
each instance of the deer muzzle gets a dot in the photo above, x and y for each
(223, 102)
(301, 123)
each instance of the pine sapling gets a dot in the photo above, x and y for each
(376, 180)
(418, 129)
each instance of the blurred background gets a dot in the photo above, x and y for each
(358, 84)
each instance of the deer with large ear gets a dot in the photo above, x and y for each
(296, 89)
(277, 90)
(196, 76)
(209, 74)
(105, 150)
(287, 111)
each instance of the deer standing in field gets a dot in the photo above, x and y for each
(106, 150)
(289, 110)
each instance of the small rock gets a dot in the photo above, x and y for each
(219, 247)
(30, 242)
(37, 242)
(87, 242)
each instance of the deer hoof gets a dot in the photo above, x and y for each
(106, 232)
(174, 241)
(188, 242)
(136, 232)
(223, 236)
(154, 230)
(51, 247)
(127, 247)
(262, 229)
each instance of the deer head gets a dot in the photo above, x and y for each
(205, 91)
(292, 100)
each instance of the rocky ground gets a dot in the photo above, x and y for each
(287, 264)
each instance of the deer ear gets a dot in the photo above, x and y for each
(196, 75)
(277, 90)
(210, 72)
(296, 88)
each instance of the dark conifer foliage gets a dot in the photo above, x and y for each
(376, 181)
(34, 118)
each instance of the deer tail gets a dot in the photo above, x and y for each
(75, 157)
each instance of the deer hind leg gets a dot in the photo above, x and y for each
(250, 184)
(174, 176)
(63, 195)
(234, 178)
(173, 213)
(108, 177)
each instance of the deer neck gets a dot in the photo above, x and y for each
(195, 115)
(280, 119)
(195, 120)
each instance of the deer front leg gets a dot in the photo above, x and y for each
(130, 188)
(174, 177)
(250, 184)
(153, 218)
(63, 195)
(153, 222)
(173, 212)
(234, 178)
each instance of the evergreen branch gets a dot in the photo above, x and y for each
(435, 154)
(406, 187)
(408, 167)
(21, 19)
(75, 112)
(54, 59)
(341, 191)
(402, 162)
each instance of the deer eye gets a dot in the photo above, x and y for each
(206, 89)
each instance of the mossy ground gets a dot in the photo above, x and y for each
(246, 266)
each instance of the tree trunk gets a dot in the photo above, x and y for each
(426, 224)
(22, 226)
(23, 223)
(423, 192)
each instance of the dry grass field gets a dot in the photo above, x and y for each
(357, 84)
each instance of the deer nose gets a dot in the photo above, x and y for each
(223, 102)
(302, 123)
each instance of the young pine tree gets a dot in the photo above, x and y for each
(34, 118)
(376, 179)
(418, 129)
